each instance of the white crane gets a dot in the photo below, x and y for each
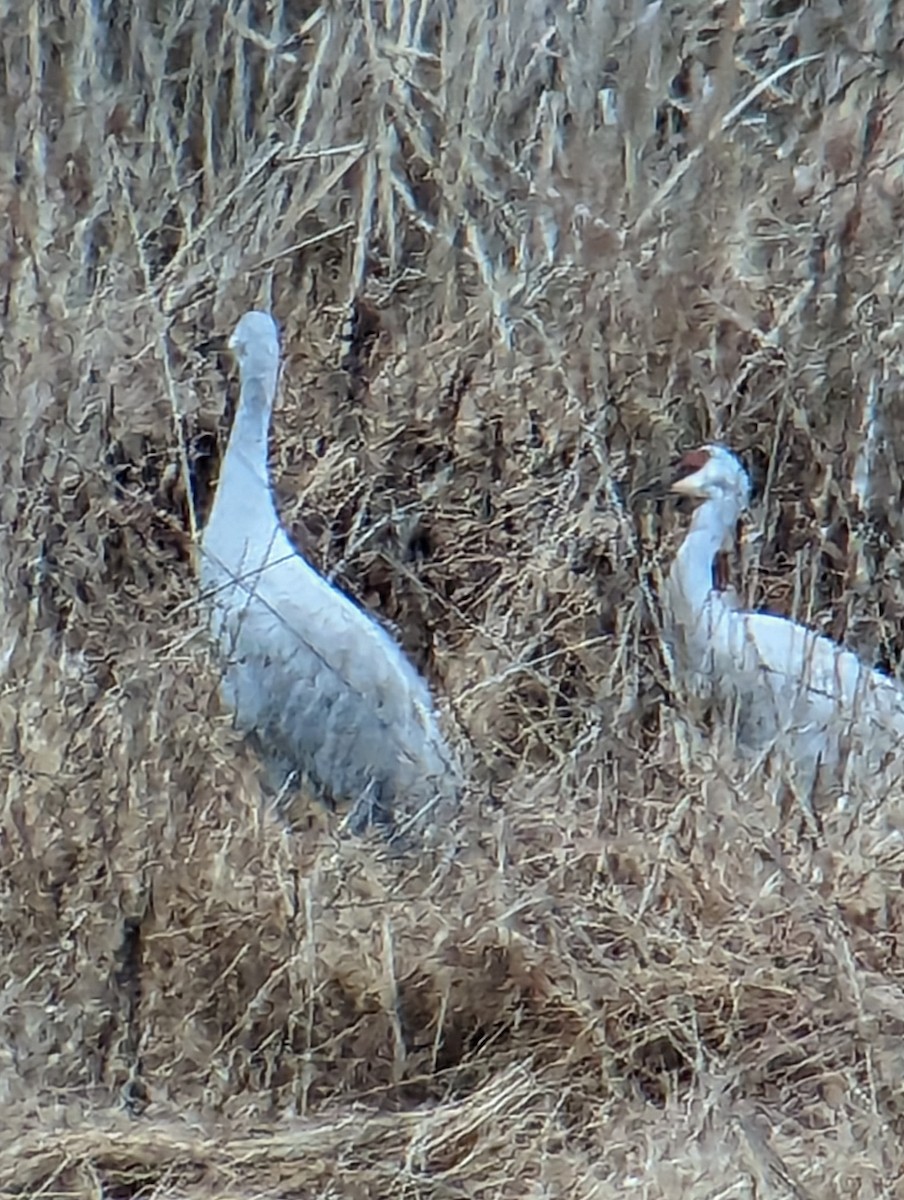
(323, 688)
(783, 684)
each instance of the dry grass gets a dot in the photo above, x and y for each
(521, 254)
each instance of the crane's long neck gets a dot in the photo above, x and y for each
(692, 570)
(244, 475)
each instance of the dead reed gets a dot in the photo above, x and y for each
(522, 254)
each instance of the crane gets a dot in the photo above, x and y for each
(784, 685)
(324, 690)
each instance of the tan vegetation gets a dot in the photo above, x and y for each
(522, 253)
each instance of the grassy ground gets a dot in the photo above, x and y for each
(522, 254)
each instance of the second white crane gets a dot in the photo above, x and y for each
(785, 685)
(320, 684)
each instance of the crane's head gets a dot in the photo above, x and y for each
(713, 473)
(255, 343)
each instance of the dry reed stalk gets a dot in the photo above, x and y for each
(522, 253)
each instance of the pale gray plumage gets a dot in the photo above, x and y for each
(783, 685)
(324, 688)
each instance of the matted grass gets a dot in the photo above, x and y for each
(522, 255)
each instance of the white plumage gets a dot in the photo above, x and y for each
(782, 683)
(322, 687)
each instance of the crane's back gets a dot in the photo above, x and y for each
(781, 685)
(322, 686)
(790, 687)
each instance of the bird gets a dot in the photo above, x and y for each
(785, 686)
(322, 689)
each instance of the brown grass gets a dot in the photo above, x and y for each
(522, 253)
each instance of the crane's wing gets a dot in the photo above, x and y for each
(798, 662)
(307, 618)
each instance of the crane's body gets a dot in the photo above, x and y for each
(323, 688)
(782, 684)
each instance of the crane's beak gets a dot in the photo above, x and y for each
(654, 485)
(686, 486)
(680, 478)
(685, 472)
(217, 343)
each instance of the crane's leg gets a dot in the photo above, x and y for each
(288, 785)
(371, 809)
